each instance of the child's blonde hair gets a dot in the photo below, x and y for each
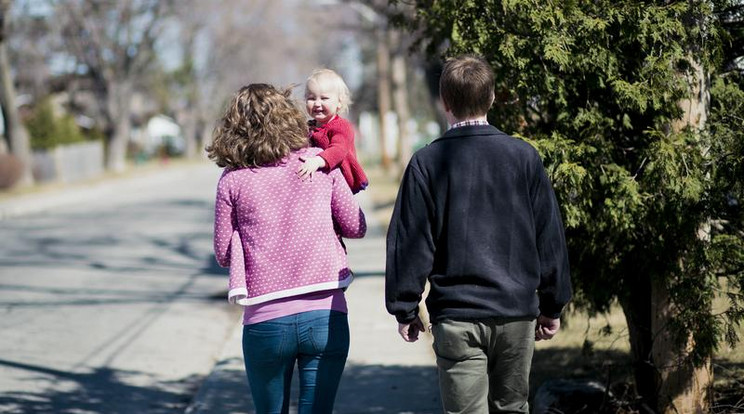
(336, 82)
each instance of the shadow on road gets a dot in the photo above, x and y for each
(211, 268)
(140, 239)
(102, 390)
(363, 389)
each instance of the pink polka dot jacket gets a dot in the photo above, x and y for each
(283, 229)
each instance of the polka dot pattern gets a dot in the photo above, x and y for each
(285, 228)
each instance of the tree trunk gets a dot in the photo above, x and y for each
(665, 378)
(187, 121)
(637, 310)
(400, 99)
(18, 139)
(187, 115)
(682, 387)
(205, 137)
(383, 91)
(119, 109)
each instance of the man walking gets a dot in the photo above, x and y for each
(476, 215)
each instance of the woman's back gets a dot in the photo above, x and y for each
(286, 226)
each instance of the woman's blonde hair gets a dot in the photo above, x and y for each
(261, 126)
(330, 77)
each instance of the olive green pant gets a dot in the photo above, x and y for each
(484, 365)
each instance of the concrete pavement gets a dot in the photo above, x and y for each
(383, 374)
(110, 301)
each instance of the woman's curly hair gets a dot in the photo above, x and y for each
(260, 127)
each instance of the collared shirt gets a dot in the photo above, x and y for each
(468, 123)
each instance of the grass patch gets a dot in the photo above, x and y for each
(597, 348)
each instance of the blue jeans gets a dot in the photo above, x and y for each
(318, 341)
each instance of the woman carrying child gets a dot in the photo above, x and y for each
(295, 267)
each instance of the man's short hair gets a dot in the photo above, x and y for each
(467, 86)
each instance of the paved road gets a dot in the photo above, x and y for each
(110, 301)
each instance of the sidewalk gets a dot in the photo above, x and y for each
(383, 373)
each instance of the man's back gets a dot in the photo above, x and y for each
(477, 216)
(491, 225)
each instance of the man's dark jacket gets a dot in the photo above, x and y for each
(477, 216)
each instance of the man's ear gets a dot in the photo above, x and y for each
(444, 104)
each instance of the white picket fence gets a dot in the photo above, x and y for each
(69, 163)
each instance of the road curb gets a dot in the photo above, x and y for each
(99, 190)
(228, 369)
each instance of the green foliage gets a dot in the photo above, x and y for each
(599, 85)
(726, 195)
(48, 131)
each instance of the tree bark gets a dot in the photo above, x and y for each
(205, 137)
(383, 90)
(400, 99)
(682, 387)
(18, 138)
(637, 309)
(119, 105)
(187, 120)
(666, 379)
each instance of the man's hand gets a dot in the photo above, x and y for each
(410, 331)
(546, 327)
(310, 165)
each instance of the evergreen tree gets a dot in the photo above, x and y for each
(637, 108)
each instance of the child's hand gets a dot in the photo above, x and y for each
(311, 165)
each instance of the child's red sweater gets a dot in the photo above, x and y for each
(336, 139)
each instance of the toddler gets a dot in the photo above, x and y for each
(326, 94)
